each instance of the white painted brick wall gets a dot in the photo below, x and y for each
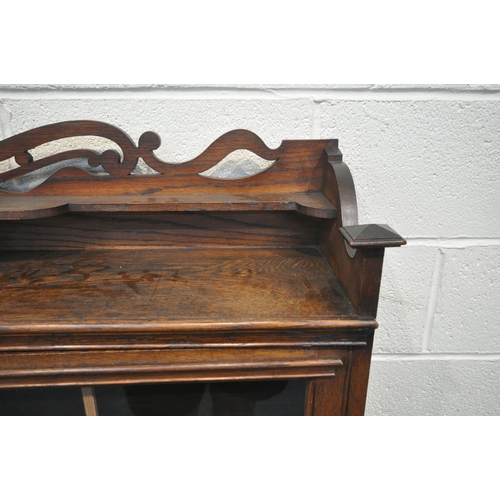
(425, 160)
(465, 320)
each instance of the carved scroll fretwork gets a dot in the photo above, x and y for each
(239, 163)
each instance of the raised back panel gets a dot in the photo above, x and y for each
(75, 231)
(295, 166)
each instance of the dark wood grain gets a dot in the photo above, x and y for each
(160, 230)
(168, 288)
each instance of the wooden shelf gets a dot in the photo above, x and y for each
(171, 290)
(34, 207)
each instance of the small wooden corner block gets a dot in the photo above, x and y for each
(372, 235)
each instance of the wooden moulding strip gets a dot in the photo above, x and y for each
(316, 368)
(183, 327)
(57, 342)
(313, 204)
(111, 345)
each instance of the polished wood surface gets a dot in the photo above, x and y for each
(160, 230)
(167, 289)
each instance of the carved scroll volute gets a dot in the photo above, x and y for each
(111, 161)
(17, 146)
(339, 189)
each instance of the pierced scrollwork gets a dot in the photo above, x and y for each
(29, 174)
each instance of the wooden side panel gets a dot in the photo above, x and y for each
(345, 393)
(359, 374)
(358, 271)
(325, 396)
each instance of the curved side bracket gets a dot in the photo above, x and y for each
(355, 235)
(339, 183)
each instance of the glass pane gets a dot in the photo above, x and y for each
(40, 401)
(223, 398)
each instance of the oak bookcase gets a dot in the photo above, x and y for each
(113, 274)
